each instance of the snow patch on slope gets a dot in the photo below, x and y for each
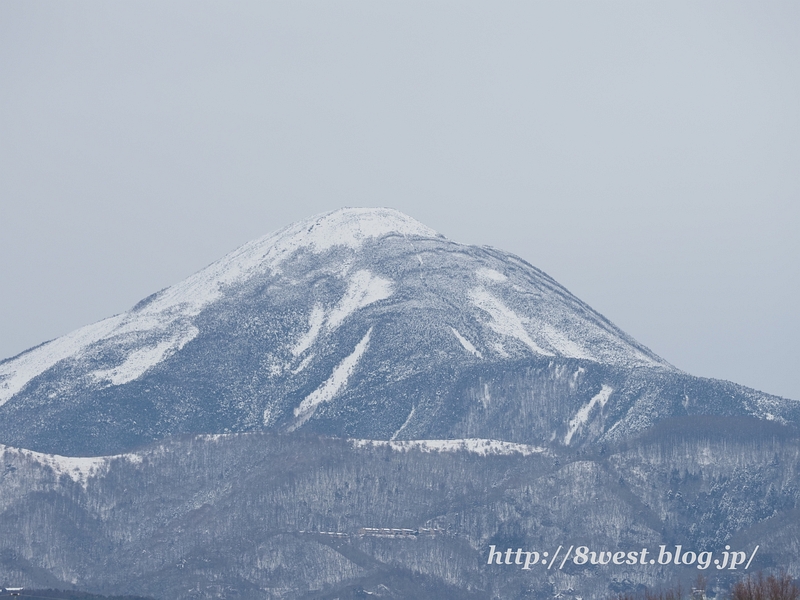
(582, 416)
(563, 345)
(490, 275)
(504, 320)
(77, 468)
(303, 364)
(406, 422)
(364, 289)
(466, 343)
(315, 321)
(334, 383)
(482, 447)
(139, 361)
(15, 374)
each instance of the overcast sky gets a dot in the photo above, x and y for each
(646, 155)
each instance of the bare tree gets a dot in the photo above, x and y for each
(780, 587)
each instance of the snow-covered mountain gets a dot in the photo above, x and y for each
(356, 323)
(356, 406)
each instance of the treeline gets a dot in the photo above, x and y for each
(752, 587)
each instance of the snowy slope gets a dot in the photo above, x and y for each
(356, 323)
(161, 324)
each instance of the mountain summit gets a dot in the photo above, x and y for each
(358, 323)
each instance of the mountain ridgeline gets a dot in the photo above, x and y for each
(357, 406)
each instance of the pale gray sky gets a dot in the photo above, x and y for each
(646, 155)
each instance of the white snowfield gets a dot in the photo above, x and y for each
(81, 468)
(466, 344)
(167, 316)
(315, 321)
(364, 289)
(77, 468)
(334, 383)
(582, 416)
(139, 361)
(563, 345)
(551, 327)
(490, 275)
(480, 446)
(504, 320)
